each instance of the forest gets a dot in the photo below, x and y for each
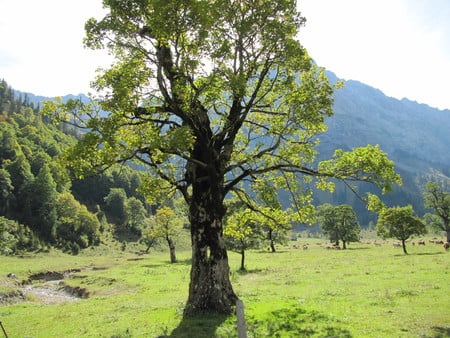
(42, 204)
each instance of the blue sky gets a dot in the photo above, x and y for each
(401, 47)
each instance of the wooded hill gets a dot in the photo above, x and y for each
(41, 204)
(415, 136)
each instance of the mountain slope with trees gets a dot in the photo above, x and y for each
(41, 203)
(415, 136)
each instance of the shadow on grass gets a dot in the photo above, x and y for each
(166, 263)
(187, 261)
(419, 254)
(441, 331)
(199, 327)
(427, 253)
(296, 322)
(247, 271)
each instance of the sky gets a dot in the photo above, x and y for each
(401, 47)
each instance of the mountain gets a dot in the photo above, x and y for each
(38, 99)
(415, 136)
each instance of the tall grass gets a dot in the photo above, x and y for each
(365, 291)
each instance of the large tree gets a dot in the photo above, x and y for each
(438, 199)
(209, 95)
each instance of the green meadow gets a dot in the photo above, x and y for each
(367, 290)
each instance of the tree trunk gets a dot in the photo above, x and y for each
(271, 241)
(210, 289)
(344, 246)
(404, 247)
(242, 260)
(170, 242)
(448, 235)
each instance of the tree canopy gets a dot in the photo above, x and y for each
(400, 223)
(438, 200)
(339, 223)
(211, 97)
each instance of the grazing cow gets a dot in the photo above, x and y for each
(440, 241)
(305, 246)
(446, 246)
(396, 244)
(421, 242)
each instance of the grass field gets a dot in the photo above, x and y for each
(365, 291)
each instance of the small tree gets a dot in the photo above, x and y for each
(275, 221)
(242, 232)
(168, 225)
(439, 200)
(339, 223)
(41, 202)
(115, 208)
(150, 235)
(400, 223)
(135, 212)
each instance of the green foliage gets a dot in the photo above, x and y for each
(339, 223)
(437, 199)
(168, 226)
(368, 164)
(40, 204)
(76, 227)
(16, 237)
(242, 231)
(33, 180)
(400, 223)
(115, 206)
(262, 104)
(211, 97)
(135, 212)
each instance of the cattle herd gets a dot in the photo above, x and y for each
(396, 244)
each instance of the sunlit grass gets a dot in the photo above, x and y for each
(365, 291)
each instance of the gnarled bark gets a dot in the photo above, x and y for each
(210, 289)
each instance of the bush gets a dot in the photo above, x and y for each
(16, 237)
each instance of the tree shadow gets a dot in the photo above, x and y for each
(419, 254)
(427, 253)
(247, 271)
(200, 327)
(296, 322)
(186, 261)
(441, 331)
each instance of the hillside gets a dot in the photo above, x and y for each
(415, 136)
(41, 204)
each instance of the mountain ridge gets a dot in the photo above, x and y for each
(415, 135)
